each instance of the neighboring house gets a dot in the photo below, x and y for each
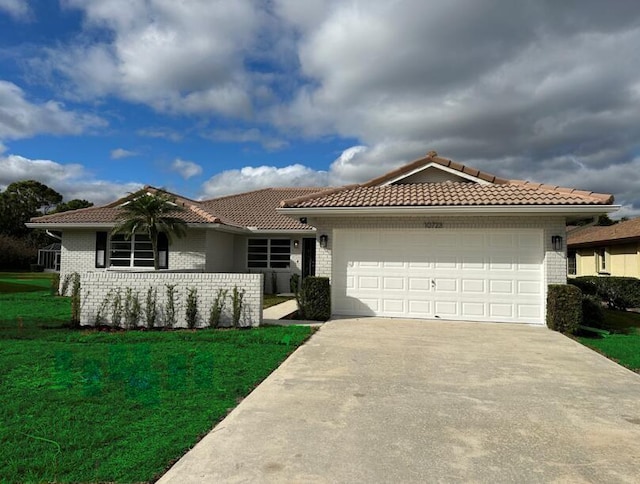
(433, 239)
(612, 250)
(238, 233)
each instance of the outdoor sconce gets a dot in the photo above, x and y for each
(323, 241)
(296, 244)
(556, 242)
(303, 220)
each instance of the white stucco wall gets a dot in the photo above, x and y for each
(95, 286)
(220, 247)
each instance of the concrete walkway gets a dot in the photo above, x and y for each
(274, 315)
(380, 400)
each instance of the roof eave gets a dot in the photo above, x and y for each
(559, 210)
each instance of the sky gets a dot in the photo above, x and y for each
(208, 97)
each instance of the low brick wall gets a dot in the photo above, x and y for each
(98, 290)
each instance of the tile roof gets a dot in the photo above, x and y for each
(258, 208)
(441, 194)
(252, 209)
(498, 191)
(620, 232)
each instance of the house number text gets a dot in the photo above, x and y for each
(433, 225)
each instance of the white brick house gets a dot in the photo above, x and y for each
(432, 239)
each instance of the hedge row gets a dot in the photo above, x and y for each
(617, 292)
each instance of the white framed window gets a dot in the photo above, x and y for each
(571, 262)
(602, 260)
(136, 251)
(269, 253)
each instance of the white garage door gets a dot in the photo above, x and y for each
(471, 275)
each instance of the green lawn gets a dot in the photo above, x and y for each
(88, 406)
(623, 346)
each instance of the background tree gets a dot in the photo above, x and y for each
(74, 204)
(151, 214)
(23, 200)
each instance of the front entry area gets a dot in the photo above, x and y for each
(470, 275)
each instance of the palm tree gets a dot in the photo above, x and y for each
(150, 213)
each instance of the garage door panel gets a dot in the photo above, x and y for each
(470, 286)
(394, 283)
(468, 274)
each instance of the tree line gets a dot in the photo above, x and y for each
(19, 202)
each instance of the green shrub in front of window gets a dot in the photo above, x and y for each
(617, 292)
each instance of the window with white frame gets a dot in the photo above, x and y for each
(571, 262)
(136, 251)
(269, 253)
(602, 264)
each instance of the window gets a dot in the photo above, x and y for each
(601, 260)
(269, 253)
(571, 262)
(101, 249)
(136, 251)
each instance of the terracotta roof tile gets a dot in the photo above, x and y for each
(622, 231)
(258, 208)
(441, 194)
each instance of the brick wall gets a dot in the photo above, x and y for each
(95, 286)
(555, 266)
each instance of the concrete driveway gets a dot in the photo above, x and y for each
(381, 400)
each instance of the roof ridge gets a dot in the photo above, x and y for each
(323, 193)
(586, 194)
(433, 157)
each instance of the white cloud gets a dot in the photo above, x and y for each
(253, 178)
(120, 153)
(71, 180)
(20, 118)
(165, 133)
(186, 169)
(17, 9)
(252, 135)
(174, 56)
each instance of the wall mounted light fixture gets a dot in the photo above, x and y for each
(556, 242)
(303, 220)
(296, 244)
(323, 241)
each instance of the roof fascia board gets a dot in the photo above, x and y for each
(438, 166)
(453, 210)
(283, 231)
(110, 225)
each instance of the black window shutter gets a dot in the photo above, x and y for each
(101, 250)
(163, 251)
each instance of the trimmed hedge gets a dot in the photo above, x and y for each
(618, 292)
(314, 299)
(564, 308)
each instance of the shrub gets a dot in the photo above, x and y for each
(618, 292)
(75, 301)
(55, 284)
(564, 308)
(65, 283)
(294, 283)
(170, 312)
(274, 282)
(592, 312)
(191, 311)
(217, 308)
(132, 309)
(116, 308)
(314, 299)
(237, 303)
(150, 308)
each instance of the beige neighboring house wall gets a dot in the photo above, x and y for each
(620, 260)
